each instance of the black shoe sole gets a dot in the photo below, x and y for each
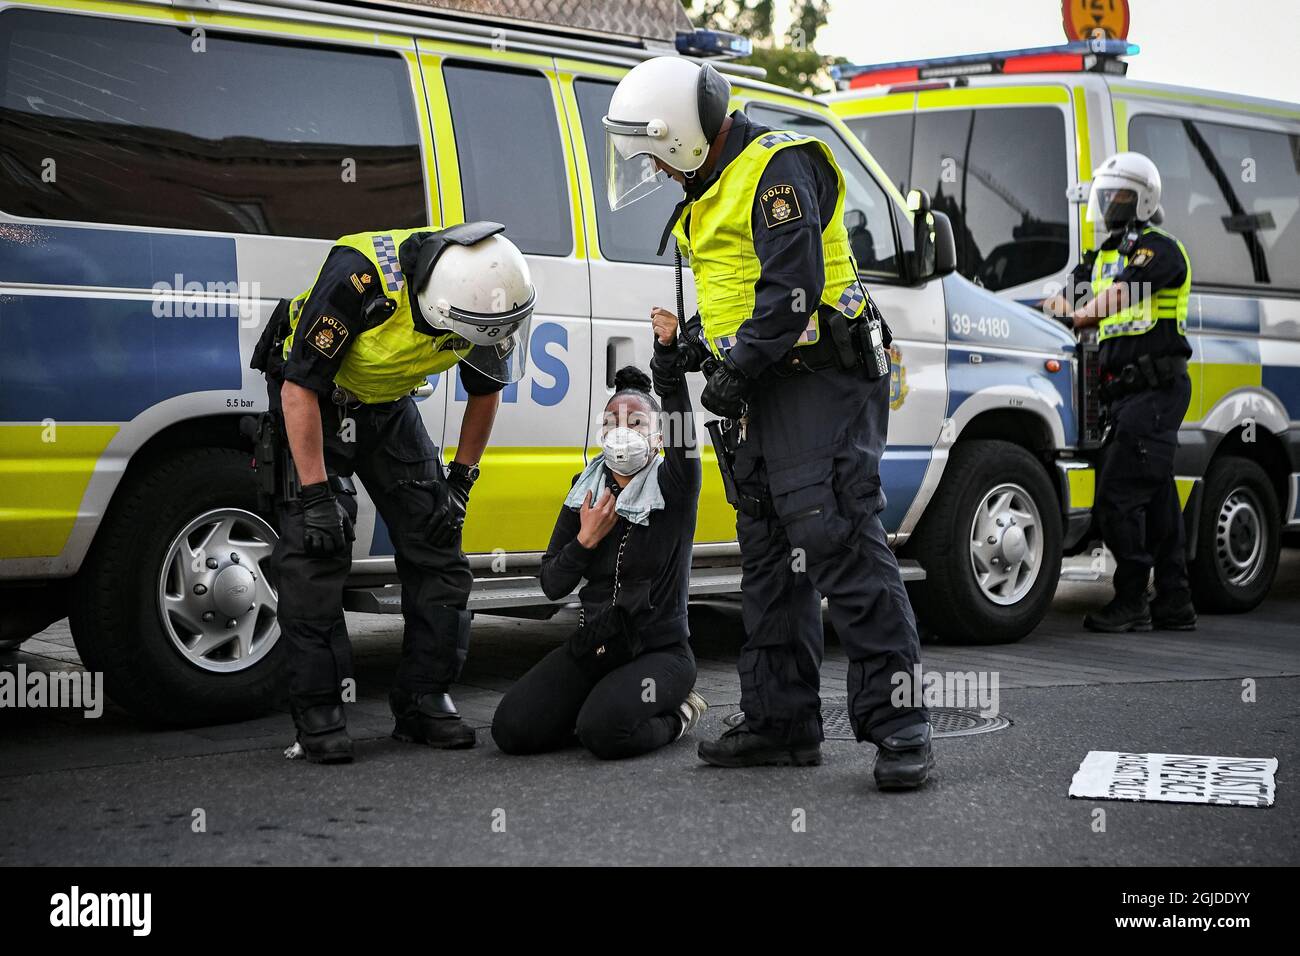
(1132, 626)
(327, 758)
(461, 744)
(797, 757)
(1174, 626)
(894, 784)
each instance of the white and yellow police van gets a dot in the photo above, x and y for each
(170, 170)
(1000, 138)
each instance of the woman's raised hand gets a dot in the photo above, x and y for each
(665, 325)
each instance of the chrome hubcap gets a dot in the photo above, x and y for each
(1006, 544)
(214, 598)
(1239, 537)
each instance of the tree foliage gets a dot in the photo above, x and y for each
(790, 60)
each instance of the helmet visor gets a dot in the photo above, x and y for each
(1113, 207)
(629, 175)
(493, 345)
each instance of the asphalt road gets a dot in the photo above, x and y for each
(78, 791)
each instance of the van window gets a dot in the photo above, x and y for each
(1231, 194)
(867, 215)
(889, 139)
(512, 166)
(1000, 175)
(630, 234)
(112, 121)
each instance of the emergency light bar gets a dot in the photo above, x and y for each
(713, 43)
(1079, 56)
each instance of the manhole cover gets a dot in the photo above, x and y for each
(944, 721)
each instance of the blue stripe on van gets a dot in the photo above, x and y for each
(1284, 382)
(74, 358)
(902, 469)
(118, 258)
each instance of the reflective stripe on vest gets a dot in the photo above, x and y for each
(388, 361)
(720, 245)
(1142, 316)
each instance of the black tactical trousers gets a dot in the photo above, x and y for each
(389, 449)
(1137, 500)
(814, 442)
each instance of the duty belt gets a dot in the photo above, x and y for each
(1148, 372)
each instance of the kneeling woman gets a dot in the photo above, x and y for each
(624, 680)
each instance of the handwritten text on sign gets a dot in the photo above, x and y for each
(1176, 778)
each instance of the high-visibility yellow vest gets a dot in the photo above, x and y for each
(388, 361)
(716, 233)
(1141, 316)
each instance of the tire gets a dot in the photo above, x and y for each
(1238, 539)
(951, 602)
(117, 616)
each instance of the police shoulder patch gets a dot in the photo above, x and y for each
(780, 205)
(1141, 258)
(327, 335)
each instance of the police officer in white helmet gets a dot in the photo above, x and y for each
(797, 368)
(1134, 290)
(388, 310)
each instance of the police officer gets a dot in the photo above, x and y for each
(1134, 291)
(797, 375)
(387, 310)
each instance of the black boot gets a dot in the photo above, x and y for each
(741, 747)
(1120, 615)
(323, 734)
(904, 759)
(1175, 615)
(429, 719)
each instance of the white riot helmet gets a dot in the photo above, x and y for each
(1125, 189)
(474, 282)
(667, 108)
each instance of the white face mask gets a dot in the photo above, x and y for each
(626, 450)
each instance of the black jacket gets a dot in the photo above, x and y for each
(655, 576)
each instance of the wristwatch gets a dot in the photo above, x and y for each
(462, 471)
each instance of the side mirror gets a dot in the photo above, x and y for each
(945, 245)
(934, 247)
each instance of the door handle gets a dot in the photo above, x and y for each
(619, 352)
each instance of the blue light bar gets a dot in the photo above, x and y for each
(713, 43)
(972, 62)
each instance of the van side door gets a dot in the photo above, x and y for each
(504, 154)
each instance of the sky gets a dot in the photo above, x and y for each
(1237, 46)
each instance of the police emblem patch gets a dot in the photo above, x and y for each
(780, 205)
(1141, 258)
(897, 379)
(327, 335)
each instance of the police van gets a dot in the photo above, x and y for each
(170, 170)
(999, 139)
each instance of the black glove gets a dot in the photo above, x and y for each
(727, 392)
(692, 350)
(452, 520)
(327, 528)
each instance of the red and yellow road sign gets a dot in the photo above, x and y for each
(1095, 19)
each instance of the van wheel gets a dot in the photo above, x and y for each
(990, 543)
(173, 604)
(1238, 540)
